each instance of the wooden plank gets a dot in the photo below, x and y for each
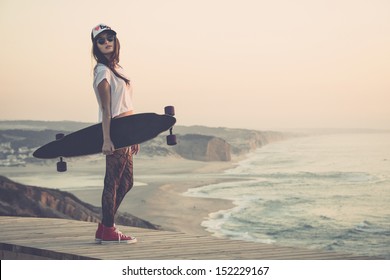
(69, 239)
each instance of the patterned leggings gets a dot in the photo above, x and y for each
(117, 183)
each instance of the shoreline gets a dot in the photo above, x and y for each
(157, 196)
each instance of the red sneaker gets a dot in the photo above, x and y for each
(113, 235)
(99, 233)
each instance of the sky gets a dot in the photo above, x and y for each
(281, 64)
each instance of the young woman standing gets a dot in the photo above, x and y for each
(114, 95)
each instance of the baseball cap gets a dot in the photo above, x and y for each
(99, 29)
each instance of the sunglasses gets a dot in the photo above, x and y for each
(102, 41)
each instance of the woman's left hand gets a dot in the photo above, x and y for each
(135, 149)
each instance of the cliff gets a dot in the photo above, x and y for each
(29, 201)
(230, 140)
(203, 148)
(213, 144)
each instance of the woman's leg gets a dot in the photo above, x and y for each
(126, 180)
(116, 164)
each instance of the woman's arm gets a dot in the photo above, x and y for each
(105, 100)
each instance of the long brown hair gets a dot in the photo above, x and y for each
(112, 62)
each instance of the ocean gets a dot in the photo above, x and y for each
(328, 192)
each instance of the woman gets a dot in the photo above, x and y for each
(114, 95)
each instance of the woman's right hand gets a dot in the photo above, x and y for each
(108, 147)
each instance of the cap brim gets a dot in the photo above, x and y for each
(103, 31)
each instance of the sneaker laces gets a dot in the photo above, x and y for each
(121, 235)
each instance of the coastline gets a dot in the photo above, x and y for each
(160, 200)
(160, 182)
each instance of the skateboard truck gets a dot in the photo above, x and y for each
(171, 138)
(61, 165)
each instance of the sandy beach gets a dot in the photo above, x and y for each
(158, 194)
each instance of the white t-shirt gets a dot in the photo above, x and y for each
(121, 94)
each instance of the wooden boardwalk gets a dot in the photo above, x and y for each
(42, 238)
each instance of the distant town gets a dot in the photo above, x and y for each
(15, 157)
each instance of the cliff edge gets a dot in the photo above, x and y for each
(29, 201)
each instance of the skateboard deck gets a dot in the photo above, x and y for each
(126, 131)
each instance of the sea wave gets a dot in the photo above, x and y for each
(325, 195)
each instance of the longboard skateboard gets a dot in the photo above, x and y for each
(125, 132)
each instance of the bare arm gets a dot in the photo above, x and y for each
(105, 98)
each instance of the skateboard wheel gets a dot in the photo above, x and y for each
(169, 110)
(171, 140)
(61, 166)
(59, 136)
